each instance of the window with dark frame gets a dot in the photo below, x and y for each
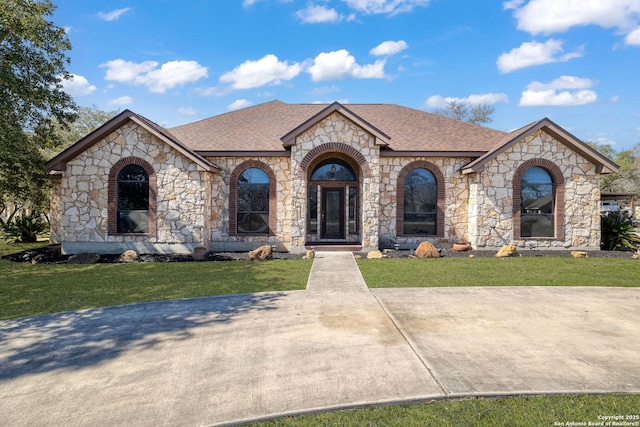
(420, 202)
(133, 200)
(537, 198)
(253, 202)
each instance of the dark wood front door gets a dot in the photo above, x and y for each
(332, 219)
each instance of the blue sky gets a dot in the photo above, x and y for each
(574, 61)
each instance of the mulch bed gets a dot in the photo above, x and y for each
(51, 255)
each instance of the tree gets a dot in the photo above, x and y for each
(32, 100)
(478, 114)
(88, 119)
(627, 179)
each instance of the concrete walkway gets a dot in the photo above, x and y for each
(222, 360)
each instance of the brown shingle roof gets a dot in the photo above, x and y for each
(260, 128)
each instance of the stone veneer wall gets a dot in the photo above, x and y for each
(456, 199)
(491, 197)
(181, 196)
(55, 211)
(336, 133)
(221, 237)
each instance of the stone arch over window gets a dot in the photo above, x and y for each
(233, 197)
(334, 150)
(557, 194)
(115, 193)
(440, 196)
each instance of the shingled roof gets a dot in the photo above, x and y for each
(262, 127)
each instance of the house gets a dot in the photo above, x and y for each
(301, 175)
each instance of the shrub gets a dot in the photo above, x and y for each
(24, 228)
(618, 233)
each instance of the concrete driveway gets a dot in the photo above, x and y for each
(222, 360)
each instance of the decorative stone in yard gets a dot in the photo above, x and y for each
(507, 250)
(262, 253)
(461, 247)
(579, 254)
(200, 253)
(427, 250)
(129, 256)
(84, 258)
(375, 255)
(38, 259)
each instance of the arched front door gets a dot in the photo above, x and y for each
(333, 201)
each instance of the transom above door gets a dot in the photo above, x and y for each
(333, 201)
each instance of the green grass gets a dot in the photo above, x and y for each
(28, 290)
(514, 412)
(523, 271)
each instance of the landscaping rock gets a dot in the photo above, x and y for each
(129, 256)
(84, 258)
(461, 247)
(375, 255)
(579, 254)
(38, 259)
(507, 250)
(262, 253)
(427, 250)
(200, 253)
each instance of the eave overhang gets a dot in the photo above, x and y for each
(603, 165)
(58, 163)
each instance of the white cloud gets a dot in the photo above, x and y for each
(158, 80)
(113, 15)
(562, 92)
(123, 100)
(340, 64)
(534, 53)
(313, 14)
(438, 101)
(391, 7)
(77, 86)
(389, 48)
(267, 70)
(187, 111)
(553, 16)
(633, 38)
(238, 104)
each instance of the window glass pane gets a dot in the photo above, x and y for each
(313, 209)
(420, 200)
(253, 201)
(133, 200)
(333, 170)
(353, 200)
(537, 208)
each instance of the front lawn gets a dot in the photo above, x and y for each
(521, 271)
(28, 290)
(523, 411)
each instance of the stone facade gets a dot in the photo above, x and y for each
(84, 193)
(491, 197)
(193, 207)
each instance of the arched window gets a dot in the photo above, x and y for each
(132, 202)
(333, 170)
(420, 202)
(537, 203)
(253, 202)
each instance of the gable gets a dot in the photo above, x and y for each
(58, 163)
(603, 165)
(380, 138)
